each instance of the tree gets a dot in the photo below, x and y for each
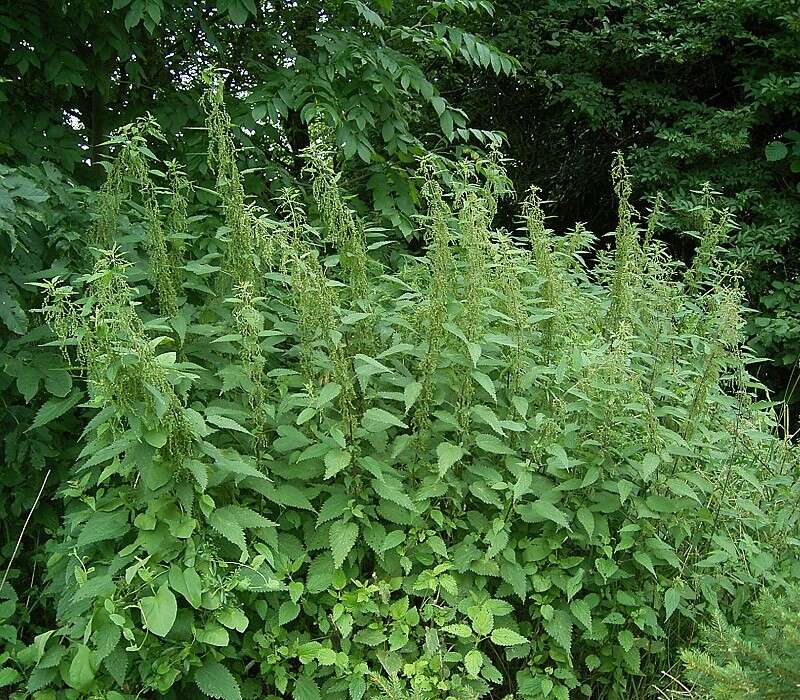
(79, 71)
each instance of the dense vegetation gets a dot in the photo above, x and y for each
(693, 91)
(300, 398)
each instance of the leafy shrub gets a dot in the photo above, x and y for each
(313, 463)
(758, 662)
(41, 213)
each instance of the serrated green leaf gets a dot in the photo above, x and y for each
(582, 612)
(376, 419)
(506, 637)
(392, 493)
(226, 423)
(473, 662)
(216, 681)
(482, 620)
(8, 676)
(320, 574)
(335, 461)
(672, 599)
(55, 408)
(559, 627)
(493, 444)
(586, 518)
(287, 612)
(342, 537)
(459, 630)
(104, 526)
(448, 455)
(626, 639)
(544, 510)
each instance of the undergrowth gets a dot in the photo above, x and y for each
(314, 464)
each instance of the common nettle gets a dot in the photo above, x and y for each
(548, 272)
(438, 294)
(481, 471)
(473, 238)
(177, 220)
(627, 258)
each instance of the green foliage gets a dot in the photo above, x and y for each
(76, 73)
(692, 92)
(759, 661)
(335, 468)
(41, 215)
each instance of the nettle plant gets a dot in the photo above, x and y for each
(314, 464)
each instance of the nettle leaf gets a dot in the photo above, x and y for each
(55, 408)
(229, 529)
(672, 599)
(626, 639)
(284, 494)
(586, 518)
(305, 688)
(335, 461)
(448, 455)
(482, 620)
(516, 577)
(366, 367)
(459, 630)
(411, 393)
(8, 676)
(342, 537)
(493, 444)
(231, 462)
(486, 384)
(357, 687)
(104, 525)
(199, 471)
(543, 510)
(246, 517)
(376, 419)
(393, 493)
(644, 560)
(335, 505)
(226, 423)
(159, 611)
(582, 612)
(320, 574)
(287, 612)
(370, 637)
(392, 540)
(506, 637)
(216, 681)
(11, 312)
(473, 661)
(559, 627)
